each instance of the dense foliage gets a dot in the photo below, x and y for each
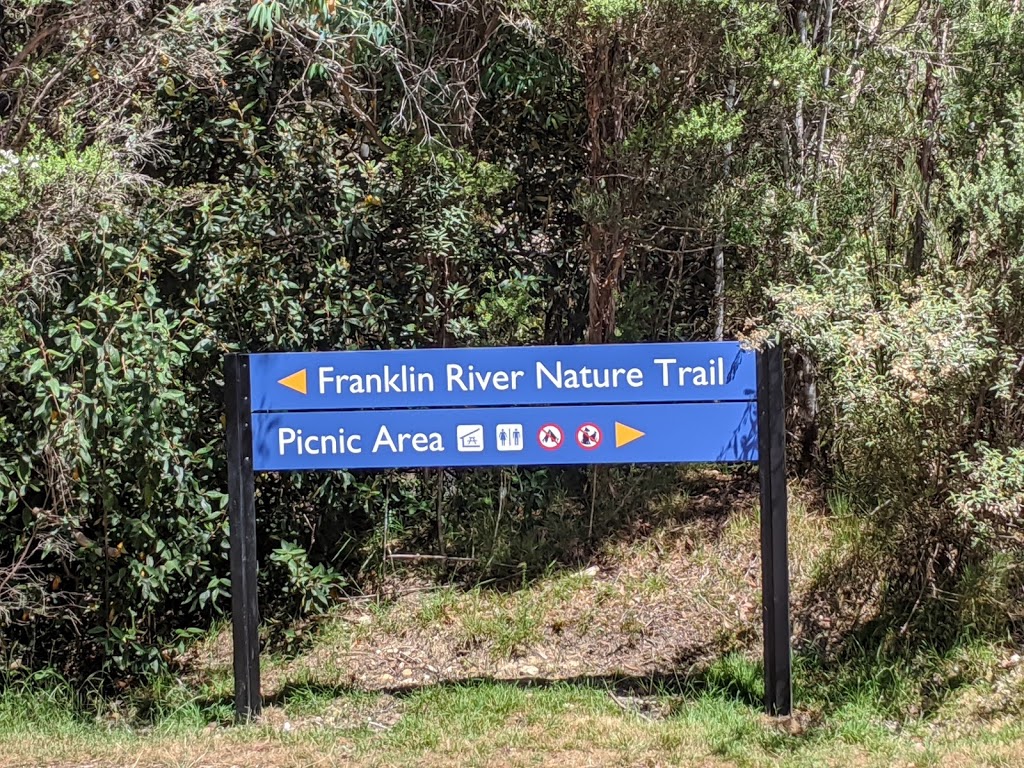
(178, 181)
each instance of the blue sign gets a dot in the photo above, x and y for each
(447, 378)
(526, 406)
(478, 437)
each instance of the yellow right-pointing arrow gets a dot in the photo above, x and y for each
(296, 381)
(625, 435)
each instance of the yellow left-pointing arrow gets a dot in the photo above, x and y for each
(296, 381)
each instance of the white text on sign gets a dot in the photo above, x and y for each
(664, 371)
(293, 441)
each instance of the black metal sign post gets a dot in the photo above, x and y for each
(245, 616)
(771, 454)
(771, 438)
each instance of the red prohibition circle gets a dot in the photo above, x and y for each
(550, 437)
(588, 436)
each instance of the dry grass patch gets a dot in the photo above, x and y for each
(686, 593)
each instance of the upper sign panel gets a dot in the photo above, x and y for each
(503, 376)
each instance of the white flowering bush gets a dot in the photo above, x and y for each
(912, 378)
(903, 372)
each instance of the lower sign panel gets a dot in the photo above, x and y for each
(485, 437)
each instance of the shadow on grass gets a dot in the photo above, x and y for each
(660, 684)
(845, 654)
(730, 678)
(892, 689)
(869, 631)
(722, 700)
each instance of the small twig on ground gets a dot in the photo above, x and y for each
(417, 557)
(624, 705)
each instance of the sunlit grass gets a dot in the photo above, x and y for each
(860, 713)
(951, 706)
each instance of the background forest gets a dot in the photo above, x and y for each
(179, 181)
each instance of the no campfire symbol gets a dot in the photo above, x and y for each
(550, 437)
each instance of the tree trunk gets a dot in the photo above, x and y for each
(718, 252)
(799, 126)
(931, 102)
(605, 240)
(607, 251)
(826, 80)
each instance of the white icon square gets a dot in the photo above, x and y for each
(469, 437)
(509, 437)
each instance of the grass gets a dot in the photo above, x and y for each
(935, 709)
(506, 625)
(501, 723)
(564, 671)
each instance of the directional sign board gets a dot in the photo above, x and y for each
(495, 376)
(526, 406)
(478, 437)
(607, 404)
